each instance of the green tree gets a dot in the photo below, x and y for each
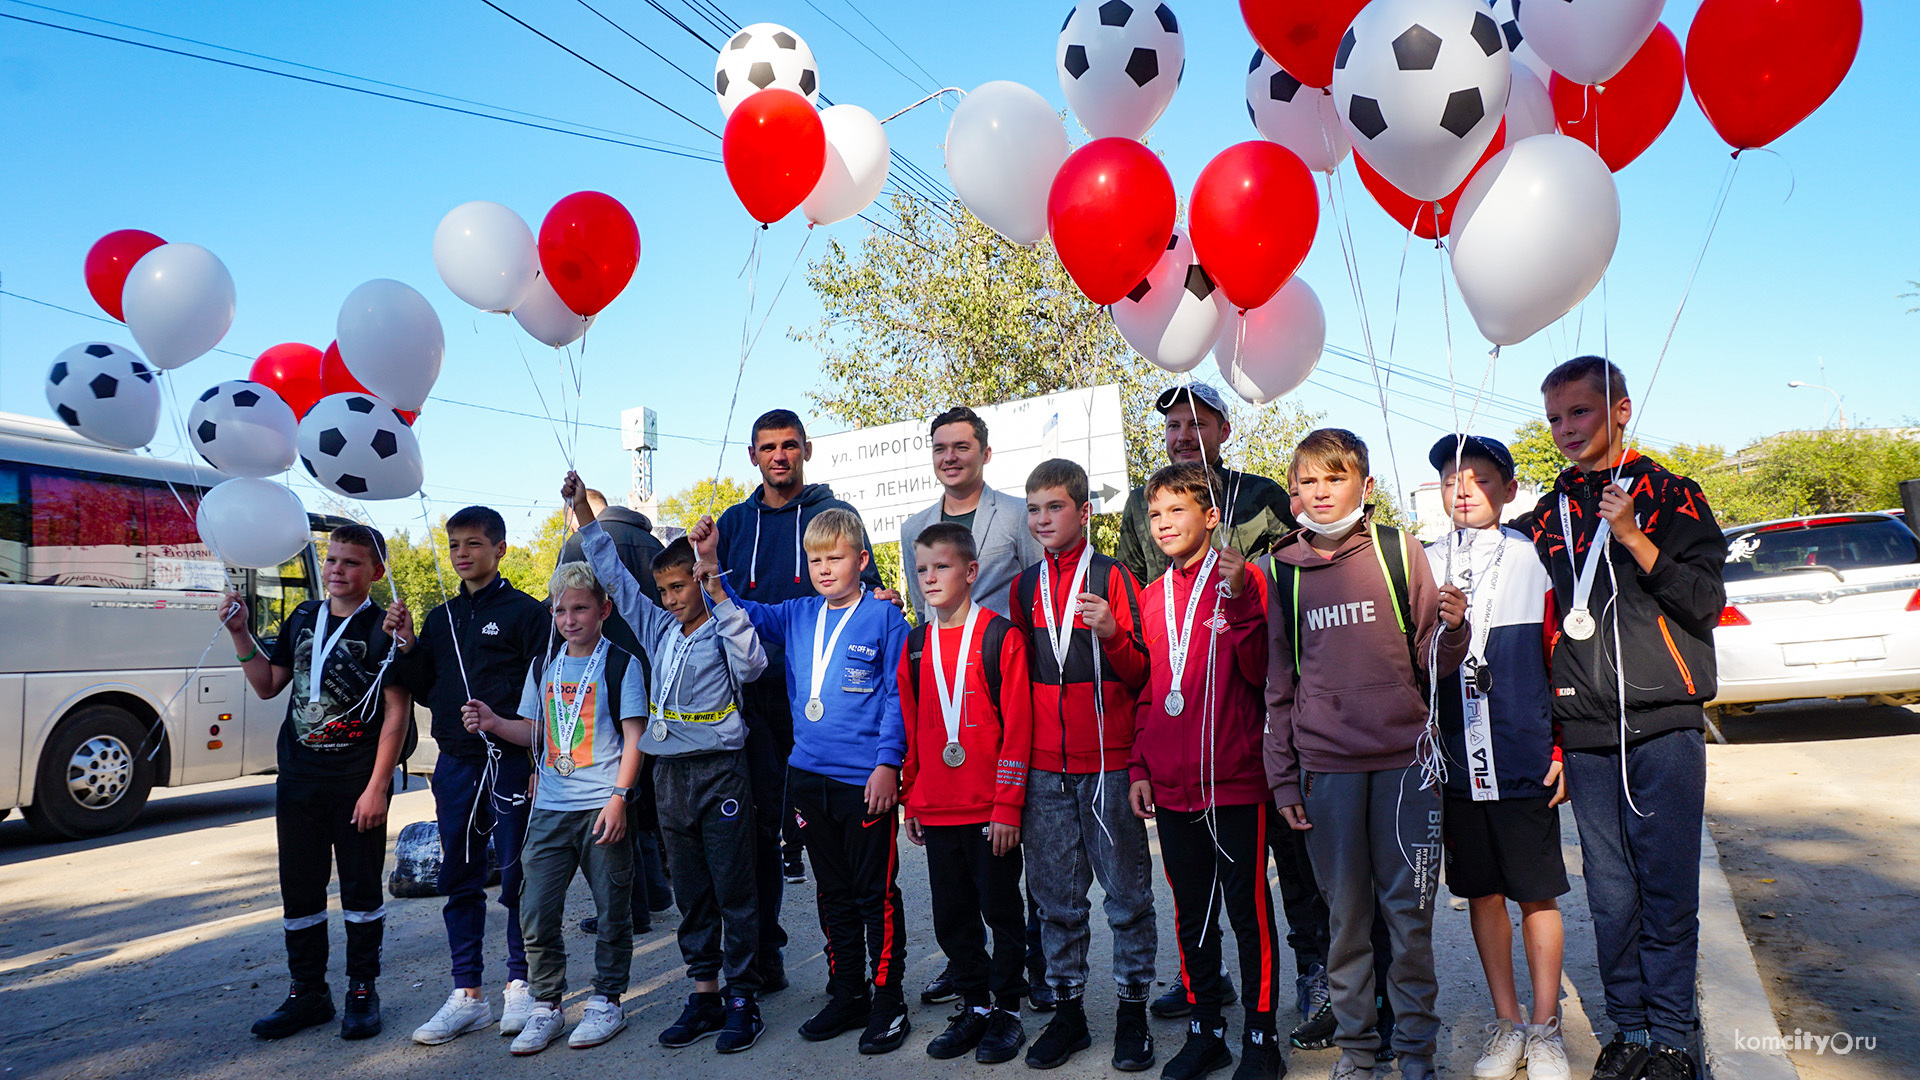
(686, 507)
(1537, 459)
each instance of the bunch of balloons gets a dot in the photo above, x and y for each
(554, 286)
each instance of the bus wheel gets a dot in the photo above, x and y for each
(94, 778)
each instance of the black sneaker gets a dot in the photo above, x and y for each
(1064, 1036)
(1205, 1052)
(702, 1017)
(590, 924)
(1316, 1032)
(1260, 1057)
(305, 1007)
(1666, 1063)
(743, 1025)
(360, 1019)
(1132, 1042)
(841, 1015)
(1385, 1026)
(1622, 1060)
(963, 1033)
(1173, 1004)
(1004, 1037)
(773, 974)
(794, 870)
(887, 1026)
(940, 989)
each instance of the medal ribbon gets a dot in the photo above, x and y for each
(1060, 630)
(567, 720)
(1584, 572)
(318, 665)
(820, 652)
(950, 698)
(670, 679)
(1178, 640)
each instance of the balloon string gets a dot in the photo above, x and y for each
(552, 426)
(445, 598)
(747, 342)
(1713, 222)
(929, 97)
(1343, 229)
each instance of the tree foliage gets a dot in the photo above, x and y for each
(419, 567)
(687, 506)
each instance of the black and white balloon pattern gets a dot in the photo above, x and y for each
(1300, 118)
(1507, 14)
(764, 56)
(1119, 63)
(243, 429)
(106, 393)
(1421, 86)
(1173, 316)
(1268, 352)
(358, 446)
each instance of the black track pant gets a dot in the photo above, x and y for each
(974, 892)
(314, 822)
(1206, 873)
(856, 865)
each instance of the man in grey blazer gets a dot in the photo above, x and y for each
(998, 520)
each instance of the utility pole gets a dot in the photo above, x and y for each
(1796, 384)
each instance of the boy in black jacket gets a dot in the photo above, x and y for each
(1631, 731)
(477, 646)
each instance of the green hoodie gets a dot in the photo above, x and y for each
(1258, 521)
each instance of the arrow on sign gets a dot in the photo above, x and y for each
(1107, 491)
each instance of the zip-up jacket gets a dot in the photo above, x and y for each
(764, 556)
(991, 784)
(1068, 734)
(1666, 614)
(1358, 705)
(501, 632)
(1260, 517)
(1209, 754)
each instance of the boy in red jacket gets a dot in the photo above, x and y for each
(964, 781)
(1197, 768)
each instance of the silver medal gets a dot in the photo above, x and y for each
(1175, 703)
(563, 765)
(954, 755)
(815, 709)
(1579, 624)
(659, 731)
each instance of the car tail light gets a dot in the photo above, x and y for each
(1913, 602)
(1731, 616)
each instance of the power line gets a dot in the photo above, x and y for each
(656, 52)
(890, 41)
(911, 81)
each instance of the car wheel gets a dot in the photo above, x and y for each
(94, 778)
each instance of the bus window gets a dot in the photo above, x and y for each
(86, 531)
(13, 528)
(276, 593)
(176, 559)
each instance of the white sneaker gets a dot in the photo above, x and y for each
(515, 1006)
(601, 1020)
(1506, 1048)
(458, 1016)
(544, 1025)
(1546, 1053)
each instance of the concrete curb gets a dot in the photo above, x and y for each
(1735, 1012)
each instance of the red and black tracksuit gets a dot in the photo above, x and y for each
(974, 891)
(1065, 738)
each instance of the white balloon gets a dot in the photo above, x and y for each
(486, 255)
(359, 446)
(1533, 234)
(243, 429)
(1421, 86)
(1588, 41)
(178, 302)
(547, 318)
(1173, 316)
(1268, 352)
(1505, 12)
(1301, 118)
(390, 339)
(105, 393)
(1004, 145)
(856, 165)
(1529, 106)
(764, 56)
(253, 523)
(1119, 63)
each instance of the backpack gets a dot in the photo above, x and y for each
(1390, 550)
(1099, 573)
(990, 649)
(618, 659)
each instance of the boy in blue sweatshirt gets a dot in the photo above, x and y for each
(842, 650)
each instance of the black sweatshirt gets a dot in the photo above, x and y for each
(502, 631)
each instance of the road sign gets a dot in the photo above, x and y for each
(886, 472)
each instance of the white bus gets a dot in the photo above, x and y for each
(107, 604)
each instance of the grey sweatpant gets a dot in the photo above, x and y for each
(706, 819)
(1376, 837)
(560, 842)
(1077, 827)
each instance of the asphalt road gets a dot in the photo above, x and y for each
(150, 953)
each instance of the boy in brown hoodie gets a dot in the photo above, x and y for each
(1354, 624)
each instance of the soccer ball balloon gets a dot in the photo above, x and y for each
(105, 393)
(1174, 314)
(1421, 86)
(764, 56)
(358, 446)
(1119, 63)
(1300, 118)
(1507, 14)
(243, 429)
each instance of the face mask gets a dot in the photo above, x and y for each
(1335, 528)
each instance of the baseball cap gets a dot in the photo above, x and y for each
(1173, 395)
(1476, 445)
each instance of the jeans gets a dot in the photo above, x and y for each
(559, 843)
(1078, 827)
(469, 821)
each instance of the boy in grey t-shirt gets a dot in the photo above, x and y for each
(583, 716)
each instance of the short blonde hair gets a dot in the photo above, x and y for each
(574, 575)
(1336, 449)
(833, 525)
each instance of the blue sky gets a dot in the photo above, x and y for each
(305, 191)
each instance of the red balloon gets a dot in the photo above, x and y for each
(1623, 116)
(110, 260)
(1410, 211)
(775, 150)
(1758, 67)
(1253, 216)
(1110, 213)
(336, 379)
(589, 246)
(292, 370)
(1302, 36)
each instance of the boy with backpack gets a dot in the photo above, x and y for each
(1079, 612)
(1356, 634)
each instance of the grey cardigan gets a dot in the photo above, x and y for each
(999, 531)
